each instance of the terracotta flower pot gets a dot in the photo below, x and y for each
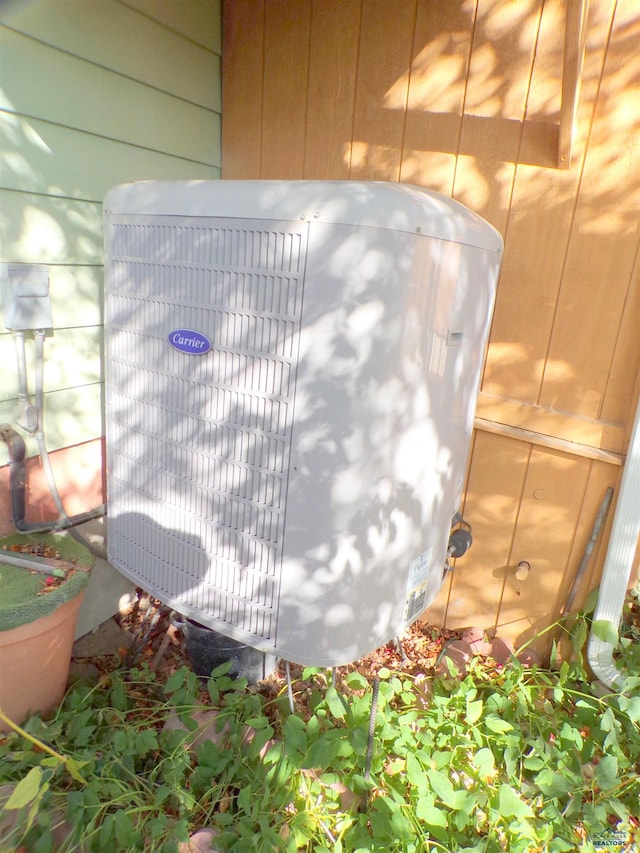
(34, 662)
(37, 623)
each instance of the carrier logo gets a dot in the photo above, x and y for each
(186, 340)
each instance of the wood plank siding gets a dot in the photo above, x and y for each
(469, 99)
(92, 94)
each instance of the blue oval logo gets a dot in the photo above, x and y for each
(186, 340)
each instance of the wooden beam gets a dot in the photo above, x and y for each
(550, 441)
(598, 434)
(574, 42)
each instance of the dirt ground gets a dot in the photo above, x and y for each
(145, 632)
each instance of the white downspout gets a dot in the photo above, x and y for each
(618, 563)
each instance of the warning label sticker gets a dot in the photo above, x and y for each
(417, 582)
(419, 569)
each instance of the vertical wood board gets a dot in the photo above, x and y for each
(618, 401)
(437, 81)
(541, 209)
(286, 69)
(547, 520)
(495, 100)
(381, 94)
(333, 60)
(496, 478)
(604, 236)
(242, 88)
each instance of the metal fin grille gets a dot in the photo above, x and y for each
(198, 445)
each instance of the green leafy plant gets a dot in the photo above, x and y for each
(628, 653)
(509, 759)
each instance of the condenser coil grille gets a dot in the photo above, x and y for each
(199, 448)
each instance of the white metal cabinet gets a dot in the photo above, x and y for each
(292, 370)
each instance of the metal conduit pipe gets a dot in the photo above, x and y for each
(618, 563)
(39, 431)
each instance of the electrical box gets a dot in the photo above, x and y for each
(25, 297)
(291, 377)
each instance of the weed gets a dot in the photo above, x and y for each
(501, 760)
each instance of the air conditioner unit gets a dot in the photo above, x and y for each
(291, 377)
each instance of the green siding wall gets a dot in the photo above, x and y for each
(93, 93)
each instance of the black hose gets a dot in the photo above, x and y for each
(17, 484)
(17, 476)
(96, 550)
